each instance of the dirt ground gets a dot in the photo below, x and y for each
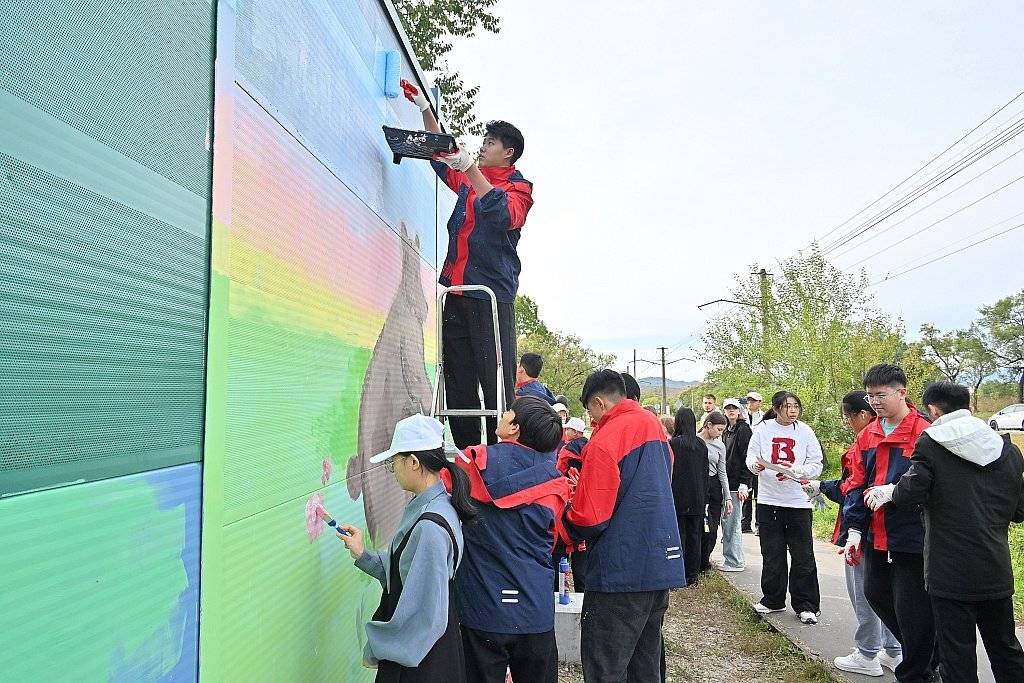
(712, 636)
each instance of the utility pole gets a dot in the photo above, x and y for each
(636, 375)
(763, 275)
(664, 387)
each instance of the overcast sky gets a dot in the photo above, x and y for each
(672, 144)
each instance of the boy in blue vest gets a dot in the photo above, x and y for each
(483, 233)
(504, 596)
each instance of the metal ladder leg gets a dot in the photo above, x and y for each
(439, 408)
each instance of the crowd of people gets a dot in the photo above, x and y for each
(637, 502)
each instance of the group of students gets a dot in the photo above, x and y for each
(467, 579)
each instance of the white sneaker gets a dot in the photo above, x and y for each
(859, 664)
(888, 661)
(761, 609)
(808, 618)
(723, 567)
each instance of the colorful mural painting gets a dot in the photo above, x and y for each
(218, 295)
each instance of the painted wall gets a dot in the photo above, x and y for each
(104, 213)
(321, 331)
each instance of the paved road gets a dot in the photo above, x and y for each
(833, 635)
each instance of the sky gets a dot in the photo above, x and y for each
(674, 144)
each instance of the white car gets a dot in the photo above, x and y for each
(1010, 417)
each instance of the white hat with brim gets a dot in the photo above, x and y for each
(756, 396)
(732, 403)
(414, 433)
(559, 408)
(576, 424)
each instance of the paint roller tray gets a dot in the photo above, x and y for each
(417, 144)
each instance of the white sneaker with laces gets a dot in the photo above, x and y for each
(723, 567)
(859, 664)
(808, 618)
(761, 609)
(888, 661)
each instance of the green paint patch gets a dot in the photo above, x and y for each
(91, 577)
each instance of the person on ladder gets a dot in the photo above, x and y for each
(483, 233)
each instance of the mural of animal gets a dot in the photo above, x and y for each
(395, 386)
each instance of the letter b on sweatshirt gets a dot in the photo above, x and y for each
(782, 450)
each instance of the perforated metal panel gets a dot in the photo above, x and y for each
(104, 203)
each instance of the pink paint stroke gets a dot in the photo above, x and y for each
(325, 474)
(314, 527)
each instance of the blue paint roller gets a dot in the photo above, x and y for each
(392, 74)
(331, 522)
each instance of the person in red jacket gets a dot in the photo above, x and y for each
(483, 234)
(623, 509)
(890, 542)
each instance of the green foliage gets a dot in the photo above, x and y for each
(1003, 328)
(812, 332)
(567, 362)
(431, 25)
(961, 355)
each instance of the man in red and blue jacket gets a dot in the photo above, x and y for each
(483, 235)
(527, 384)
(624, 510)
(890, 541)
(504, 595)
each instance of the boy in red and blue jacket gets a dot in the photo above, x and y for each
(623, 508)
(893, 540)
(504, 595)
(483, 235)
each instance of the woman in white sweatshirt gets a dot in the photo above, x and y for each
(783, 451)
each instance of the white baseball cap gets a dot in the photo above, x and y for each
(576, 423)
(414, 433)
(559, 408)
(756, 396)
(732, 403)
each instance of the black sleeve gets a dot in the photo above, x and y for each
(742, 443)
(915, 486)
(1018, 513)
(830, 489)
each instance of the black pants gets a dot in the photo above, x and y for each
(894, 587)
(578, 562)
(955, 622)
(691, 529)
(748, 508)
(709, 538)
(788, 530)
(470, 363)
(531, 657)
(621, 636)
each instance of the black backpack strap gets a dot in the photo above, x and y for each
(443, 523)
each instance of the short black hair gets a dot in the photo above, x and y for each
(885, 375)
(711, 396)
(946, 396)
(509, 135)
(532, 363)
(604, 383)
(540, 427)
(780, 398)
(632, 386)
(856, 402)
(563, 399)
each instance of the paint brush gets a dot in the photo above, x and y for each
(331, 522)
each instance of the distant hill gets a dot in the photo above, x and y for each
(654, 383)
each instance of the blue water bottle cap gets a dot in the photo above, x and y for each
(563, 564)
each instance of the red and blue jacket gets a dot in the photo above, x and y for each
(504, 581)
(533, 387)
(623, 506)
(835, 490)
(483, 232)
(570, 455)
(879, 459)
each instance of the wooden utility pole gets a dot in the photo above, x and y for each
(664, 387)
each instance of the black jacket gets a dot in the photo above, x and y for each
(689, 475)
(969, 500)
(737, 438)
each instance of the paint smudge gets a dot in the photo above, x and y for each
(325, 473)
(313, 507)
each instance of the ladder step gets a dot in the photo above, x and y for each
(468, 412)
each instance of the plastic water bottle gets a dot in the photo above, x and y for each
(563, 582)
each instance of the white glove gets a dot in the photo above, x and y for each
(414, 95)
(812, 488)
(819, 502)
(852, 550)
(460, 160)
(743, 493)
(877, 496)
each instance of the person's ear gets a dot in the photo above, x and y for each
(513, 430)
(413, 462)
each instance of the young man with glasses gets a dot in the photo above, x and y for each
(891, 541)
(483, 235)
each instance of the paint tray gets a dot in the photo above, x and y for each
(417, 144)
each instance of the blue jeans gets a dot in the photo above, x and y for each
(871, 635)
(732, 535)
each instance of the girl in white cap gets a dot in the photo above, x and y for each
(414, 635)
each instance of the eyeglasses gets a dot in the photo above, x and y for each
(390, 464)
(878, 398)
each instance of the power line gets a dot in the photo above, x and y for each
(856, 246)
(887, 278)
(929, 163)
(962, 239)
